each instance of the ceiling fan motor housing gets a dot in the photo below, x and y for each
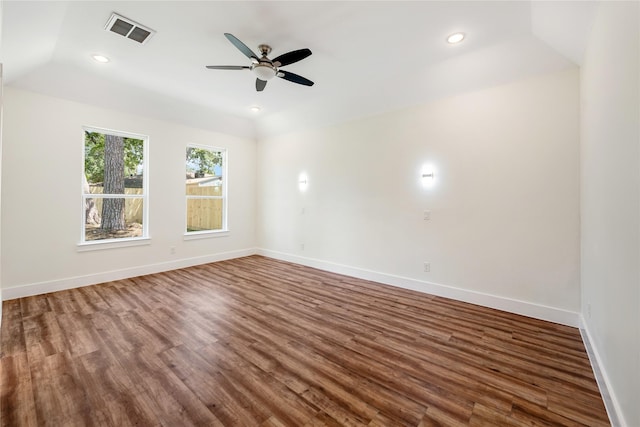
(265, 49)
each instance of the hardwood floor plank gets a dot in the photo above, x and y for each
(531, 413)
(384, 372)
(334, 409)
(177, 404)
(12, 337)
(217, 392)
(17, 404)
(32, 306)
(334, 372)
(579, 408)
(43, 336)
(259, 342)
(114, 397)
(58, 391)
(62, 302)
(322, 420)
(262, 388)
(78, 332)
(485, 416)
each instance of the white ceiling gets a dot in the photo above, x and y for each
(368, 57)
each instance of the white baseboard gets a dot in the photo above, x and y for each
(611, 403)
(524, 308)
(537, 311)
(92, 279)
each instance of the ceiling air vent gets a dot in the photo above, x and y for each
(127, 28)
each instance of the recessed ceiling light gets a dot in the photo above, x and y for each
(100, 58)
(455, 38)
(255, 109)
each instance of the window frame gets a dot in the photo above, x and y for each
(201, 234)
(86, 245)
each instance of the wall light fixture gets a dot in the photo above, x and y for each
(428, 176)
(303, 182)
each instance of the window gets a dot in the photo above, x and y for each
(114, 190)
(205, 190)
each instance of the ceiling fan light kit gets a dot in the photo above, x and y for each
(264, 68)
(264, 71)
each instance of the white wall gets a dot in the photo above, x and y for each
(610, 171)
(41, 184)
(1, 101)
(504, 207)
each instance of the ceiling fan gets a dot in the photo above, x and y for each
(265, 68)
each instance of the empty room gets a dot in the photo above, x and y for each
(320, 213)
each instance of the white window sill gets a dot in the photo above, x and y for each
(98, 245)
(195, 235)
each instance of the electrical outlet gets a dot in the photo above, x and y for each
(589, 311)
(172, 250)
(426, 215)
(302, 246)
(427, 267)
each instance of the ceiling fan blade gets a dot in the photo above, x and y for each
(291, 57)
(241, 46)
(227, 67)
(294, 78)
(260, 85)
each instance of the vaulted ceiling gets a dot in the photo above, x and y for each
(368, 57)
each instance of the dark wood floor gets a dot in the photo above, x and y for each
(259, 342)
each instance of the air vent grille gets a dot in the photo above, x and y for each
(127, 28)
